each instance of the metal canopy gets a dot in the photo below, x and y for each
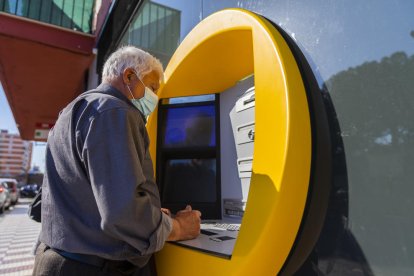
(42, 68)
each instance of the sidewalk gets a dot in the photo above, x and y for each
(18, 234)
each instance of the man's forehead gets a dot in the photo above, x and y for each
(152, 79)
(153, 76)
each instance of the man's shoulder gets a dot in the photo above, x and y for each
(102, 102)
(98, 105)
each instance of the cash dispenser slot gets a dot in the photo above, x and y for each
(245, 133)
(246, 101)
(244, 166)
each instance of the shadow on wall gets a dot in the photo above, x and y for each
(337, 252)
(374, 103)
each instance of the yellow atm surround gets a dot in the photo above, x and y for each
(224, 48)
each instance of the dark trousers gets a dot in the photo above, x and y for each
(50, 263)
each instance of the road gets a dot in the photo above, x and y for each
(18, 234)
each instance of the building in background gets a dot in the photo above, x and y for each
(35, 176)
(15, 155)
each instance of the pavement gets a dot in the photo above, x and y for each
(18, 234)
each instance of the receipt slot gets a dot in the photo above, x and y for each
(221, 50)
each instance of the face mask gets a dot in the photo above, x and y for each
(147, 103)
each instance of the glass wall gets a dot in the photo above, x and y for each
(156, 29)
(71, 14)
(362, 54)
(159, 26)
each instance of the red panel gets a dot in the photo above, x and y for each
(42, 68)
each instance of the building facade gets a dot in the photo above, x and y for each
(15, 155)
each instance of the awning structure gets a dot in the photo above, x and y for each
(42, 68)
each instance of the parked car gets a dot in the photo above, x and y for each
(5, 198)
(11, 185)
(29, 190)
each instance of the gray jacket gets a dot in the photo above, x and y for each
(99, 195)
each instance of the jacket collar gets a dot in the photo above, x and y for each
(110, 90)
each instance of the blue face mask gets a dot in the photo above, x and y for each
(147, 103)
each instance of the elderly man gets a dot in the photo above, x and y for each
(101, 212)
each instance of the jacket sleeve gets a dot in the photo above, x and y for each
(114, 155)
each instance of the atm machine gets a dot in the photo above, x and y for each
(241, 98)
(204, 159)
(242, 137)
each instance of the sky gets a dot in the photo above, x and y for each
(7, 122)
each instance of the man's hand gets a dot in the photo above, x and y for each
(186, 225)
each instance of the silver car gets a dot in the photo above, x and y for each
(5, 199)
(11, 185)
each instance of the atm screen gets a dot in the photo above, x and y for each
(190, 126)
(189, 180)
(187, 157)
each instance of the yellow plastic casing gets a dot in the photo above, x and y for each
(222, 49)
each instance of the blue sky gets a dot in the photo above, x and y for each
(7, 122)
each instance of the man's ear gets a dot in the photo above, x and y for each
(127, 74)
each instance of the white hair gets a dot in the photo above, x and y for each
(130, 57)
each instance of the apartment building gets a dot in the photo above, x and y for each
(15, 154)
